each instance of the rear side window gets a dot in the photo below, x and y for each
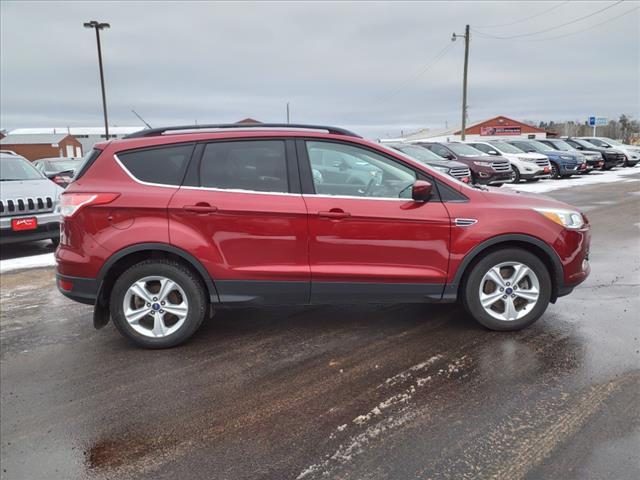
(259, 165)
(165, 165)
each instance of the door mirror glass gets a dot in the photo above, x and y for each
(421, 191)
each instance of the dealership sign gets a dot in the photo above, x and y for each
(597, 121)
(488, 131)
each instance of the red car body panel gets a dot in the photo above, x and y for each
(249, 236)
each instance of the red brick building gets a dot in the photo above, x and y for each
(35, 146)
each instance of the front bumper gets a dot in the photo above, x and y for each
(48, 227)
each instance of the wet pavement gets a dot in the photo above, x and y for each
(393, 392)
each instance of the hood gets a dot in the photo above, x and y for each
(532, 156)
(524, 199)
(30, 189)
(488, 159)
(446, 164)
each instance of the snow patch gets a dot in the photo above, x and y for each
(35, 261)
(593, 178)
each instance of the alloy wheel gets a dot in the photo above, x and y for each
(155, 306)
(509, 291)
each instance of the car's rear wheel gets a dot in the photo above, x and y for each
(158, 303)
(507, 289)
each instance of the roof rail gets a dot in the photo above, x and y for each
(150, 132)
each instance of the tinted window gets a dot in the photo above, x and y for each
(164, 165)
(462, 149)
(340, 169)
(259, 165)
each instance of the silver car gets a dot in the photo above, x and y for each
(29, 202)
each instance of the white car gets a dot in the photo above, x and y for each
(526, 166)
(632, 152)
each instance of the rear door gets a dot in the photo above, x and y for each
(242, 215)
(368, 240)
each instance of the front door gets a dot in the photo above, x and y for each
(245, 221)
(368, 240)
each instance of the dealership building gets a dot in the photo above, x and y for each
(496, 127)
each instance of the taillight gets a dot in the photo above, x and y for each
(70, 203)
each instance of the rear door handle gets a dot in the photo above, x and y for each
(334, 214)
(201, 208)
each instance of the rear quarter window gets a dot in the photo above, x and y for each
(163, 165)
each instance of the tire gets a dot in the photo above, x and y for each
(525, 312)
(55, 242)
(516, 175)
(555, 171)
(160, 329)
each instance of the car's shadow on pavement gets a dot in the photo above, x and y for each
(19, 250)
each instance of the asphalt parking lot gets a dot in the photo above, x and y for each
(393, 392)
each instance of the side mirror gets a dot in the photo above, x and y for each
(421, 191)
(493, 152)
(449, 156)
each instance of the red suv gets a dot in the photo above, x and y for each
(164, 226)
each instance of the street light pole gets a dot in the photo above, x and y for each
(101, 26)
(466, 37)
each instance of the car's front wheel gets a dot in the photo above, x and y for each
(555, 171)
(158, 303)
(507, 289)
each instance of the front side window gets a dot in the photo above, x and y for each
(164, 165)
(340, 169)
(257, 165)
(597, 142)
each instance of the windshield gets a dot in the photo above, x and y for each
(462, 149)
(505, 147)
(17, 168)
(539, 146)
(562, 145)
(419, 153)
(62, 165)
(597, 142)
(613, 142)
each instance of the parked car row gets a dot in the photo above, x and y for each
(507, 160)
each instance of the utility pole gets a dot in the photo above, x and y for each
(101, 26)
(288, 113)
(466, 37)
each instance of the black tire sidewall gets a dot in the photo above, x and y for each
(174, 271)
(471, 299)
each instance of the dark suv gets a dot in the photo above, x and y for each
(485, 169)
(611, 158)
(168, 224)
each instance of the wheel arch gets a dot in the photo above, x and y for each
(532, 244)
(126, 257)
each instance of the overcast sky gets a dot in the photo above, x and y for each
(359, 65)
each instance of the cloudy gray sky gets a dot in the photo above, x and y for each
(362, 65)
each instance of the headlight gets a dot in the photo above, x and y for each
(482, 164)
(442, 169)
(526, 159)
(566, 157)
(567, 218)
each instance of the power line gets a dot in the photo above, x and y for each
(527, 18)
(383, 98)
(550, 28)
(584, 29)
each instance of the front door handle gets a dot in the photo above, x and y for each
(201, 208)
(334, 214)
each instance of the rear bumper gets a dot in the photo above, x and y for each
(79, 289)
